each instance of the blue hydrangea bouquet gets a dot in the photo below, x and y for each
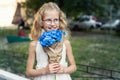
(51, 42)
(48, 38)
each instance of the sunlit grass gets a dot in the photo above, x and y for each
(97, 51)
(5, 32)
(100, 51)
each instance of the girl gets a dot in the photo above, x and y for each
(51, 58)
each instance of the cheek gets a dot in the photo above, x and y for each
(59, 25)
(44, 26)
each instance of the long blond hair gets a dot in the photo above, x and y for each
(37, 24)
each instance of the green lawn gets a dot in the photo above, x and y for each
(95, 50)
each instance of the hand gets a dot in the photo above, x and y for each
(62, 70)
(53, 68)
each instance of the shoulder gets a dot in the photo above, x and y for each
(33, 43)
(66, 42)
(32, 46)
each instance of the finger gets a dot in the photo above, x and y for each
(53, 71)
(56, 65)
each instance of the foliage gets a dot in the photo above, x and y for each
(71, 7)
(76, 8)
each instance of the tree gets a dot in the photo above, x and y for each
(75, 7)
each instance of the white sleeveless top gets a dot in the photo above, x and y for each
(42, 61)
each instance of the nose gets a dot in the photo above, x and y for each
(52, 22)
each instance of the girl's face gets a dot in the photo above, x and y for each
(51, 20)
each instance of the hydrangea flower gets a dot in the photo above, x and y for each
(48, 38)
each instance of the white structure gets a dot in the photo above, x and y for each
(7, 11)
(4, 75)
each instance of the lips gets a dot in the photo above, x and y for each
(52, 28)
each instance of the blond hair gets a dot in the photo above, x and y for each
(37, 24)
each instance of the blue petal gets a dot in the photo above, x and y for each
(48, 38)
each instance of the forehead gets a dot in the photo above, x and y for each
(51, 14)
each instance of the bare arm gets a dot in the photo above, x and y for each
(72, 65)
(71, 60)
(30, 71)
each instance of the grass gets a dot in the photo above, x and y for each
(101, 52)
(95, 50)
(13, 56)
(6, 32)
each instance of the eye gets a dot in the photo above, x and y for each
(48, 20)
(56, 19)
